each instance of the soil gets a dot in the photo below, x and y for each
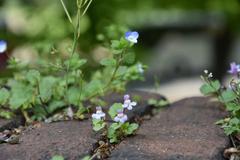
(10, 124)
(183, 131)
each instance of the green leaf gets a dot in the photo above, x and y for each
(131, 128)
(122, 70)
(232, 107)
(6, 114)
(234, 121)
(119, 46)
(115, 44)
(4, 95)
(46, 88)
(114, 108)
(227, 96)
(108, 62)
(54, 105)
(57, 158)
(113, 139)
(73, 95)
(86, 158)
(112, 132)
(75, 62)
(94, 87)
(39, 113)
(210, 88)
(220, 122)
(129, 58)
(98, 124)
(33, 76)
(21, 95)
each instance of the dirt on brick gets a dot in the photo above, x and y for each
(71, 139)
(184, 131)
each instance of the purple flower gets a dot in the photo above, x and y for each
(3, 46)
(128, 103)
(126, 97)
(132, 36)
(234, 69)
(99, 113)
(121, 117)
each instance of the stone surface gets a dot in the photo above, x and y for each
(183, 131)
(3, 122)
(71, 139)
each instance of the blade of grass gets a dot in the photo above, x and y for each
(66, 11)
(85, 10)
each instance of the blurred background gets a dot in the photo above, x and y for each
(178, 38)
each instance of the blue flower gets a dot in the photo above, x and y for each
(99, 113)
(121, 117)
(3, 46)
(132, 36)
(234, 69)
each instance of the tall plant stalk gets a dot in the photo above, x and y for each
(77, 30)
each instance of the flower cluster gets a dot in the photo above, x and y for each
(120, 116)
(229, 96)
(120, 126)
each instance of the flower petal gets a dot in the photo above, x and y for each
(133, 103)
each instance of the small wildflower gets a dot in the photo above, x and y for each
(128, 103)
(234, 69)
(140, 68)
(132, 36)
(99, 113)
(3, 46)
(121, 117)
(210, 75)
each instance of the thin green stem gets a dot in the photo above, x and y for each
(81, 88)
(41, 100)
(85, 10)
(66, 11)
(105, 88)
(75, 40)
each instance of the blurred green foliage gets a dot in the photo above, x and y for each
(41, 19)
(42, 26)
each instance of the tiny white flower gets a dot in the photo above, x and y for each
(99, 113)
(210, 75)
(206, 71)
